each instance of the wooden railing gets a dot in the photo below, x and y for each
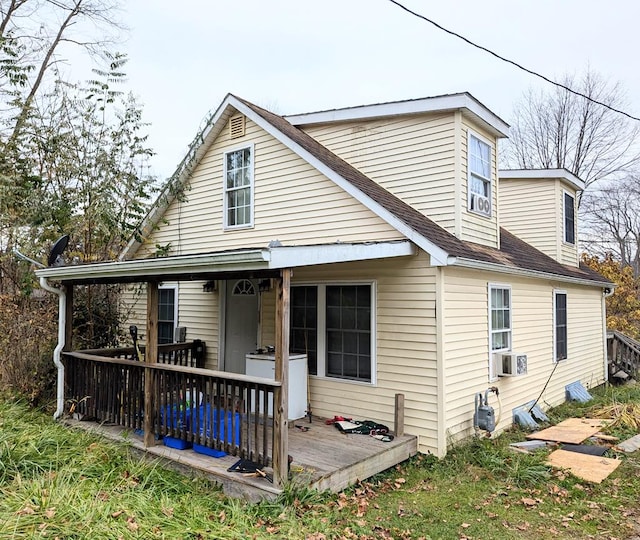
(623, 353)
(191, 353)
(221, 411)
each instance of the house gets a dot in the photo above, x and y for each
(381, 245)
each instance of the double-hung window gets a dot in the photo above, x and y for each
(499, 322)
(569, 219)
(167, 313)
(333, 325)
(238, 188)
(479, 177)
(559, 325)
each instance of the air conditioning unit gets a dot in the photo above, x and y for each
(180, 334)
(480, 204)
(512, 364)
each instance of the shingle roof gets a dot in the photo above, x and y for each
(513, 253)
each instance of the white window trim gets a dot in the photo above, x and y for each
(225, 215)
(564, 219)
(174, 286)
(556, 292)
(472, 134)
(493, 375)
(322, 329)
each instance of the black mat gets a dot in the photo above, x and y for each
(589, 449)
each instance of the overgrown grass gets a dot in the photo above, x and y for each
(59, 483)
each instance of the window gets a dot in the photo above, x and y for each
(333, 325)
(167, 313)
(569, 219)
(479, 168)
(500, 317)
(560, 325)
(238, 188)
(304, 324)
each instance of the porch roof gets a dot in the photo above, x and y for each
(259, 261)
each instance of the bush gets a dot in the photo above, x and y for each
(28, 336)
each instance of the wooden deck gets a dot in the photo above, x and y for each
(323, 458)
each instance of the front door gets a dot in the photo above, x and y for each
(241, 323)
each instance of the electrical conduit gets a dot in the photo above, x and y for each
(62, 309)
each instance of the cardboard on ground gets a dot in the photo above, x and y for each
(571, 430)
(589, 468)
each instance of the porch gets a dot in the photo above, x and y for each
(225, 416)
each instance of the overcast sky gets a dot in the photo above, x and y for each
(295, 56)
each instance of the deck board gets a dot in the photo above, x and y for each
(323, 457)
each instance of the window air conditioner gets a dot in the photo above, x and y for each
(512, 364)
(480, 204)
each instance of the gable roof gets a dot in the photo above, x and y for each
(443, 247)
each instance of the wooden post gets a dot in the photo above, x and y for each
(68, 321)
(398, 419)
(150, 357)
(281, 394)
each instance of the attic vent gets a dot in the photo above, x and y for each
(236, 126)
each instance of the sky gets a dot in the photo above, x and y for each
(300, 56)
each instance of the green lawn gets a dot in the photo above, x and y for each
(59, 483)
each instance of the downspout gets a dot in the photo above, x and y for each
(62, 310)
(606, 293)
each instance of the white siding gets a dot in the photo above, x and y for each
(413, 157)
(406, 347)
(293, 203)
(568, 253)
(466, 347)
(528, 209)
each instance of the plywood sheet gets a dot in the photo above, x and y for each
(571, 430)
(589, 468)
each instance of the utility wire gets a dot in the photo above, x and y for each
(519, 66)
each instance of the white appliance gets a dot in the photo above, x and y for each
(264, 365)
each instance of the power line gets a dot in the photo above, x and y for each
(519, 66)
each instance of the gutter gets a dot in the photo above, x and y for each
(492, 267)
(62, 307)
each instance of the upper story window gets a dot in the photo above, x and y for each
(569, 219)
(238, 188)
(479, 167)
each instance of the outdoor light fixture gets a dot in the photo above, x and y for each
(210, 286)
(264, 285)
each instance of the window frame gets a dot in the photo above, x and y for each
(164, 287)
(565, 229)
(556, 293)
(226, 190)
(321, 330)
(471, 175)
(493, 375)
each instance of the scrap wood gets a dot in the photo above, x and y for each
(589, 468)
(571, 430)
(604, 437)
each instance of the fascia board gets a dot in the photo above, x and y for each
(438, 255)
(498, 268)
(426, 105)
(165, 266)
(542, 174)
(293, 256)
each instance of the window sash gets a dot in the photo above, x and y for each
(500, 318)
(560, 326)
(333, 325)
(238, 187)
(569, 219)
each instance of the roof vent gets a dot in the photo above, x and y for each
(236, 126)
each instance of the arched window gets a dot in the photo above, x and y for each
(244, 287)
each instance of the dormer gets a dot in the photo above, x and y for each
(437, 154)
(540, 206)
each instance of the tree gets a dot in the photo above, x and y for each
(559, 129)
(611, 215)
(623, 306)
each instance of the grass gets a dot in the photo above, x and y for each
(60, 483)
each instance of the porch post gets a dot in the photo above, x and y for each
(150, 357)
(68, 318)
(281, 394)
